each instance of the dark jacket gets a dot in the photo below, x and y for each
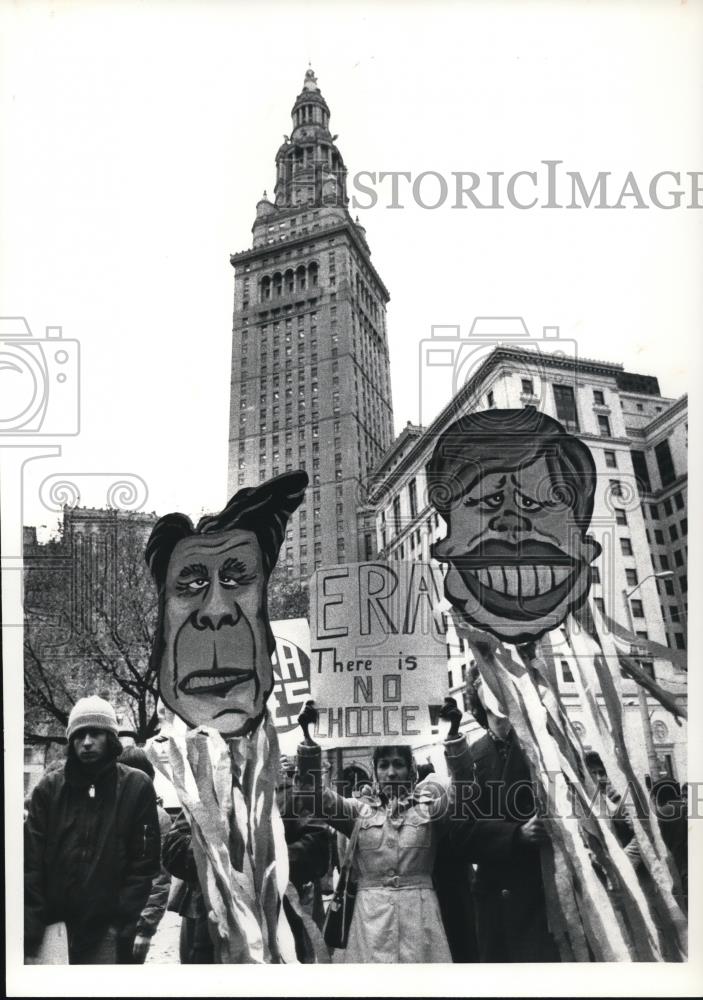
(91, 849)
(308, 844)
(155, 908)
(195, 944)
(511, 915)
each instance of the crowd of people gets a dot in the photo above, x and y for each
(104, 860)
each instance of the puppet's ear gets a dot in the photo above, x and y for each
(592, 548)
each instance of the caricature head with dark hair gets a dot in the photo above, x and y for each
(214, 643)
(516, 491)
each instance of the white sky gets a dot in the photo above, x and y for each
(139, 136)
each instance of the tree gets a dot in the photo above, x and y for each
(287, 598)
(89, 628)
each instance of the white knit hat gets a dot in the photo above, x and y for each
(92, 713)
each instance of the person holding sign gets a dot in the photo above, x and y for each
(399, 829)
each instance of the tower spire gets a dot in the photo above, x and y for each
(309, 167)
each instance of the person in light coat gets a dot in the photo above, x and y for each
(402, 825)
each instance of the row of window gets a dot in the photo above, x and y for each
(677, 500)
(289, 282)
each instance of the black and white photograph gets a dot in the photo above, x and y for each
(346, 356)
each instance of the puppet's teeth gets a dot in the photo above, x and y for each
(544, 579)
(484, 578)
(511, 580)
(498, 577)
(527, 581)
(560, 574)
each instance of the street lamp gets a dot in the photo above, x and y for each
(652, 758)
(665, 574)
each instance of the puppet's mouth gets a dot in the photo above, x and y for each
(524, 582)
(216, 682)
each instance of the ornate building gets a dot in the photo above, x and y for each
(310, 383)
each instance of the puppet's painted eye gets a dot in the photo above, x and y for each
(228, 581)
(195, 586)
(526, 503)
(494, 500)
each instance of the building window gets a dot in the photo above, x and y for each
(491, 399)
(412, 493)
(598, 397)
(528, 388)
(662, 453)
(664, 561)
(684, 525)
(603, 425)
(610, 460)
(679, 640)
(678, 557)
(620, 516)
(668, 509)
(659, 536)
(631, 577)
(615, 488)
(683, 583)
(673, 533)
(600, 604)
(595, 574)
(674, 613)
(639, 464)
(565, 403)
(626, 546)
(647, 666)
(669, 587)
(679, 501)
(654, 511)
(637, 609)
(396, 514)
(566, 672)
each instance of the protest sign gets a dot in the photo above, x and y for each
(291, 672)
(378, 654)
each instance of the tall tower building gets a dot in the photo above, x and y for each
(310, 384)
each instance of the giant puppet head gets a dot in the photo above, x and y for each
(516, 491)
(214, 643)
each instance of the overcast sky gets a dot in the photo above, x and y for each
(138, 138)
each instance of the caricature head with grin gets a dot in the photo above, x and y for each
(214, 643)
(516, 491)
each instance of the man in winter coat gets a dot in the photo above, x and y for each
(511, 914)
(91, 843)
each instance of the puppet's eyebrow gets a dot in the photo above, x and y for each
(195, 569)
(501, 482)
(231, 563)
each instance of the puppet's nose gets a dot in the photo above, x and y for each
(510, 521)
(216, 611)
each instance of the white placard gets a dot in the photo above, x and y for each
(378, 654)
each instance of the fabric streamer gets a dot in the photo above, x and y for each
(227, 789)
(596, 906)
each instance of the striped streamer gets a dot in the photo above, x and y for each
(227, 789)
(597, 908)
